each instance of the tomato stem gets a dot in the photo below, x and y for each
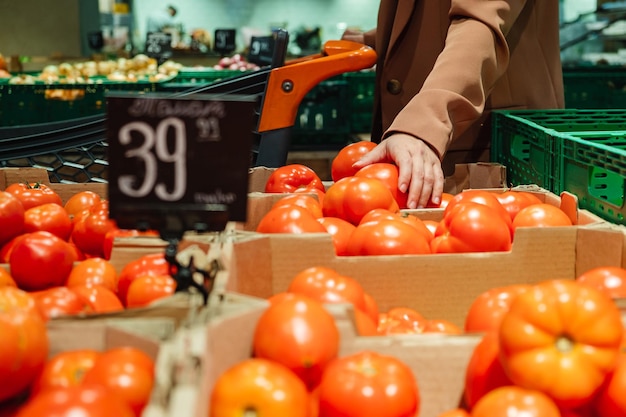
(250, 412)
(564, 344)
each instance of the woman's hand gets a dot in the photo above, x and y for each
(353, 35)
(419, 167)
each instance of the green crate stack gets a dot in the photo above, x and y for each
(579, 151)
(25, 104)
(361, 99)
(189, 77)
(595, 87)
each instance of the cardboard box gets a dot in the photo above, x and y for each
(438, 285)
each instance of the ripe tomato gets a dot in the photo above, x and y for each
(365, 326)
(561, 338)
(611, 401)
(65, 369)
(289, 219)
(328, 286)
(288, 178)
(411, 220)
(90, 229)
(303, 200)
(127, 373)
(401, 320)
(260, 387)
(541, 215)
(340, 230)
(512, 401)
(49, 217)
(11, 217)
(81, 201)
(445, 199)
(41, 260)
(368, 384)
(371, 307)
(23, 342)
(151, 264)
(486, 311)
(316, 191)
(484, 372)
(6, 278)
(352, 197)
(342, 163)
(388, 174)
(99, 298)
(34, 194)
(473, 227)
(92, 401)
(609, 279)
(387, 237)
(300, 334)
(93, 271)
(59, 301)
(457, 412)
(147, 289)
(481, 197)
(514, 201)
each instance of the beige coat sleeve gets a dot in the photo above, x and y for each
(475, 55)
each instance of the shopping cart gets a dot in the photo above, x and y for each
(279, 88)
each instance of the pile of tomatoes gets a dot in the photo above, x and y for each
(362, 210)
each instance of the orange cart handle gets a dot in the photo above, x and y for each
(287, 85)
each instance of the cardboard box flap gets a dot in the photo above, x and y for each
(10, 176)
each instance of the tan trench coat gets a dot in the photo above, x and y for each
(443, 64)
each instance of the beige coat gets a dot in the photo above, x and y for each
(443, 64)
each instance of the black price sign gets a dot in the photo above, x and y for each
(178, 164)
(224, 43)
(261, 50)
(159, 45)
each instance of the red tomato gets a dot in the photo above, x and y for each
(561, 338)
(445, 199)
(474, 227)
(303, 200)
(486, 311)
(92, 401)
(34, 194)
(99, 298)
(484, 372)
(81, 201)
(59, 301)
(411, 220)
(388, 174)
(352, 197)
(93, 271)
(512, 401)
(441, 326)
(288, 178)
(289, 219)
(387, 237)
(23, 342)
(126, 372)
(340, 230)
(341, 166)
(11, 217)
(149, 288)
(609, 279)
(365, 326)
(457, 412)
(41, 260)
(371, 307)
(260, 387)
(65, 369)
(401, 320)
(368, 384)
(152, 264)
(300, 334)
(611, 401)
(49, 217)
(91, 228)
(481, 197)
(314, 191)
(328, 286)
(514, 201)
(541, 215)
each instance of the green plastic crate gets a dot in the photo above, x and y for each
(25, 104)
(188, 78)
(592, 165)
(361, 85)
(595, 87)
(528, 142)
